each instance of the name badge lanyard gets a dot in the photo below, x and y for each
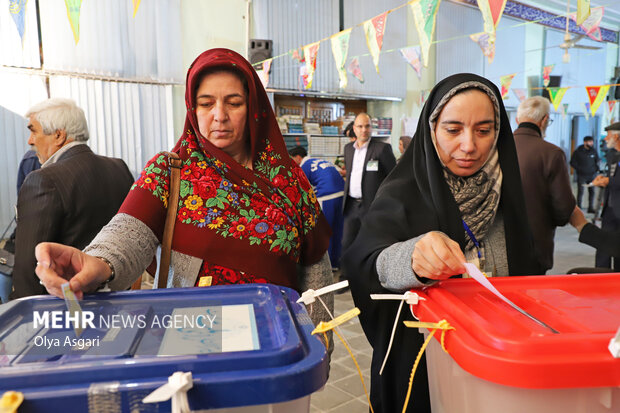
(476, 243)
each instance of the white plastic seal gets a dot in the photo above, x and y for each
(176, 389)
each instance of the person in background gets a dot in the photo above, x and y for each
(349, 132)
(549, 198)
(368, 163)
(340, 163)
(454, 197)
(585, 162)
(247, 213)
(611, 199)
(329, 188)
(403, 144)
(72, 196)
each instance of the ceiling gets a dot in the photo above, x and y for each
(611, 17)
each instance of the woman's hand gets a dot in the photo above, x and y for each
(57, 264)
(437, 257)
(577, 219)
(601, 181)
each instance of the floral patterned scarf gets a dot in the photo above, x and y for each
(248, 225)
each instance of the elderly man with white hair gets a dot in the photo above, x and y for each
(72, 196)
(549, 198)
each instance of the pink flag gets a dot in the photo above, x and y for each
(310, 52)
(263, 74)
(412, 56)
(592, 23)
(546, 74)
(521, 94)
(355, 70)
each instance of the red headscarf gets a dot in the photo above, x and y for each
(247, 225)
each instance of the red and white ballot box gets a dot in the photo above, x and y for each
(499, 360)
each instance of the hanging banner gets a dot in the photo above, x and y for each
(73, 12)
(17, 9)
(310, 52)
(340, 49)
(520, 93)
(136, 4)
(492, 11)
(583, 11)
(556, 93)
(263, 74)
(355, 69)
(412, 56)
(564, 110)
(505, 82)
(425, 15)
(596, 94)
(486, 42)
(546, 74)
(374, 29)
(592, 23)
(586, 112)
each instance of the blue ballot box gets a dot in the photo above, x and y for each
(247, 346)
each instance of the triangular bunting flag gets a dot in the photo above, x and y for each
(492, 11)
(263, 74)
(586, 112)
(547, 74)
(424, 15)
(355, 69)
(596, 94)
(340, 49)
(73, 12)
(412, 56)
(297, 54)
(374, 29)
(310, 52)
(556, 93)
(505, 82)
(592, 23)
(17, 9)
(564, 110)
(610, 106)
(583, 11)
(486, 42)
(136, 4)
(520, 93)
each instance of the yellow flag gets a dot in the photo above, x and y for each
(596, 94)
(136, 4)
(556, 93)
(73, 12)
(340, 49)
(583, 10)
(374, 29)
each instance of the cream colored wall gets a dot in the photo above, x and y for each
(207, 24)
(410, 105)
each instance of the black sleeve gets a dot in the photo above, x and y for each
(608, 242)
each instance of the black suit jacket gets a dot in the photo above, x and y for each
(371, 180)
(66, 202)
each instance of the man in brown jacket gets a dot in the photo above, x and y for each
(544, 174)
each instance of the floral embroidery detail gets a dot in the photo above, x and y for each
(276, 219)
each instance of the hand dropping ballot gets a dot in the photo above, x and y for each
(73, 307)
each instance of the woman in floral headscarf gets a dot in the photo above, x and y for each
(246, 212)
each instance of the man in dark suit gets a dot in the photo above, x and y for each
(548, 195)
(367, 162)
(72, 196)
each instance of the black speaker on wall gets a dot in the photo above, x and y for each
(259, 50)
(554, 81)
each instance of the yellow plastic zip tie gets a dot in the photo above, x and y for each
(341, 319)
(443, 325)
(323, 327)
(10, 401)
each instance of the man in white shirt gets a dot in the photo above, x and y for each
(367, 162)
